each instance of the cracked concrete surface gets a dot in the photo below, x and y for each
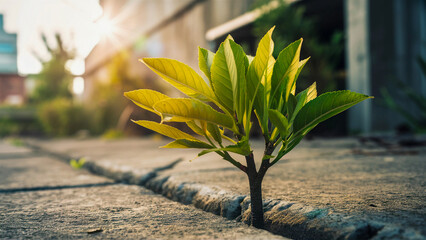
(43, 198)
(324, 189)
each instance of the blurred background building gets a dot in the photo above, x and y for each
(382, 41)
(11, 84)
(375, 47)
(163, 28)
(385, 42)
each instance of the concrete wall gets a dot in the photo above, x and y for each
(384, 38)
(358, 62)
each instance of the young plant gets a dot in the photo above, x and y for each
(239, 85)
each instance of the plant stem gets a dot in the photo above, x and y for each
(257, 218)
(255, 181)
(228, 158)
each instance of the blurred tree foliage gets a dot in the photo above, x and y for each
(57, 113)
(292, 24)
(61, 117)
(54, 80)
(107, 100)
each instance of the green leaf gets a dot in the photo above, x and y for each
(215, 132)
(312, 92)
(266, 157)
(194, 127)
(242, 148)
(285, 70)
(146, 98)
(279, 121)
(181, 76)
(324, 107)
(77, 164)
(193, 109)
(228, 74)
(300, 68)
(205, 60)
(301, 65)
(291, 105)
(239, 84)
(266, 79)
(256, 70)
(165, 130)
(221, 81)
(304, 97)
(186, 143)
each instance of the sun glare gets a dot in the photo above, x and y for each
(108, 30)
(78, 85)
(106, 27)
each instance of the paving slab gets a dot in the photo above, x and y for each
(357, 190)
(43, 198)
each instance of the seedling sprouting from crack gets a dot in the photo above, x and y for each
(77, 164)
(238, 85)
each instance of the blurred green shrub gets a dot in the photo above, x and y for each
(107, 101)
(54, 80)
(62, 117)
(18, 120)
(416, 118)
(8, 127)
(15, 141)
(324, 43)
(112, 134)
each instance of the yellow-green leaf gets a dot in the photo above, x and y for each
(77, 164)
(193, 109)
(221, 79)
(299, 69)
(256, 70)
(165, 130)
(214, 131)
(181, 76)
(304, 97)
(291, 105)
(324, 107)
(186, 143)
(312, 92)
(194, 127)
(145, 98)
(242, 148)
(279, 121)
(228, 75)
(205, 60)
(285, 70)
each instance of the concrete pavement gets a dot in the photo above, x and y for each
(43, 198)
(324, 189)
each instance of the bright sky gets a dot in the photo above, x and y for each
(74, 20)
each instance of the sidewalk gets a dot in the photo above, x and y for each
(43, 198)
(324, 189)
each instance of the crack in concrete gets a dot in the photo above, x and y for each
(9, 156)
(288, 219)
(46, 188)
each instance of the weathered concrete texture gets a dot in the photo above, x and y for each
(120, 212)
(79, 206)
(324, 189)
(33, 172)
